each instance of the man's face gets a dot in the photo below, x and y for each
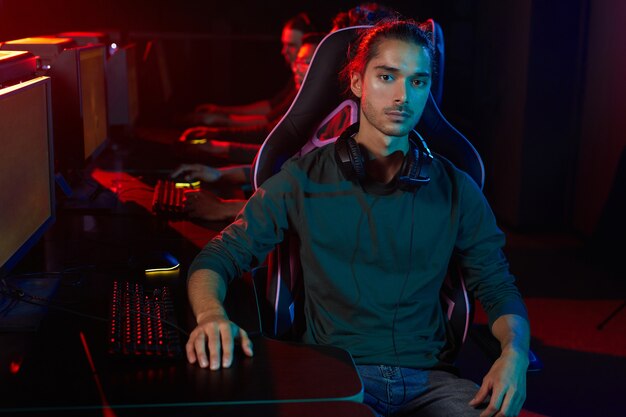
(393, 88)
(291, 40)
(301, 64)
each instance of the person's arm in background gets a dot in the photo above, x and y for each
(261, 107)
(207, 206)
(234, 174)
(253, 134)
(221, 120)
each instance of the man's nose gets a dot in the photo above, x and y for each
(401, 93)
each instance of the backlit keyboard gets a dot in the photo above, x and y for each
(169, 196)
(143, 323)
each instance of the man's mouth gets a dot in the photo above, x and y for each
(398, 114)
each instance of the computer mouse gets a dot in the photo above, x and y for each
(155, 265)
(194, 137)
(185, 181)
(199, 135)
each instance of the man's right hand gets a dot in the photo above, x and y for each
(217, 333)
(207, 108)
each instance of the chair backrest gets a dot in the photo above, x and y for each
(278, 284)
(319, 95)
(436, 87)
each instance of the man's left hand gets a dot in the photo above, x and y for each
(506, 383)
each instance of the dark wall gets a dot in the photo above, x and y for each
(531, 58)
(600, 187)
(235, 35)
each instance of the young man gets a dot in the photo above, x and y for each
(241, 135)
(375, 245)
(262, 112)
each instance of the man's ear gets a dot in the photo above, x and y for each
(355, 83)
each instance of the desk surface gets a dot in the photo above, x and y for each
(49, 370)
(56, 376)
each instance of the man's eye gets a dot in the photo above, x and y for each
(418, 83)
(385, 77)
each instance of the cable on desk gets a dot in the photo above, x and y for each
(63, 273)
(18, 295)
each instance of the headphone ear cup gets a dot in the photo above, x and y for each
(410, 166)
(348, 154)
(356, 158)
(416, 166)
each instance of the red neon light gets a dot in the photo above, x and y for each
(16, 365)
(107, 411)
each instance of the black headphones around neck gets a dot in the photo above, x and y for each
(414, 171)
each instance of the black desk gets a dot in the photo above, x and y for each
(49, 371)
(56, 377)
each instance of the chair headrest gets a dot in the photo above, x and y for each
(321, 93)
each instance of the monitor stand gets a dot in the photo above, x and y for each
(86, 195)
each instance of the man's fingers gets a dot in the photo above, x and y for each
(481, 395)
(179, 171)
(513, 402)
(495, 404)
(199, 345)
(246, 343)
(226, 332)
(219, 338)
(506, 407)
(191, 351)
(215, 347)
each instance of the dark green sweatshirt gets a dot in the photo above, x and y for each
(374, 257)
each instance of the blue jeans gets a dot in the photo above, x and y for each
(391, 390)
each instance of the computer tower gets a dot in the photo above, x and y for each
(79, 97)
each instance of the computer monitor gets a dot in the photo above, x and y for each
(16, 66)
(27, 199)
(46, 48)
(93, 95)
(79, 104)
(121, 75)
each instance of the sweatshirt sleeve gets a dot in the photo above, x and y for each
(479, 247)
(255, 232)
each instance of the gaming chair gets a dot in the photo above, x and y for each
(278, 284)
